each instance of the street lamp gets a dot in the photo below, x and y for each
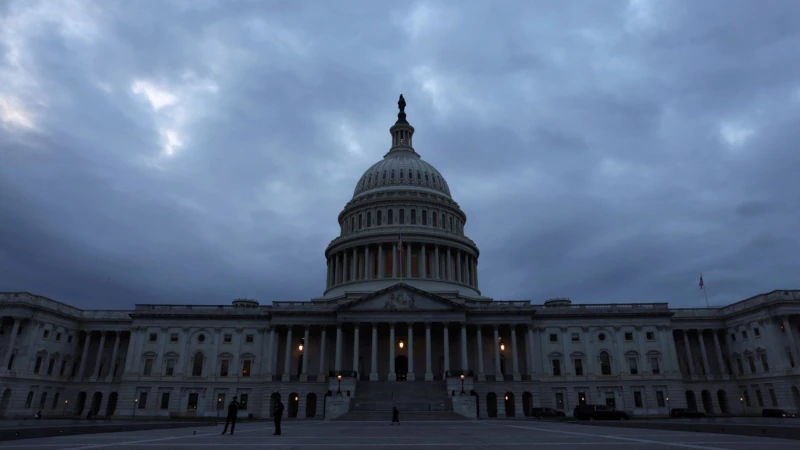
(401, 344)
(219, 405)
(502, 345)
(741, 400)
(300, 347)
(339, 389)
(65, 407)
(462, 384)
(135, 405)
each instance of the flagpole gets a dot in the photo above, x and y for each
(703, 287)
(705, 293)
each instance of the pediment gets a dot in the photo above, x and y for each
(401, 297)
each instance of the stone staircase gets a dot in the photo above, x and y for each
(416, 400)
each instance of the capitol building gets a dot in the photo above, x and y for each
(401, 321)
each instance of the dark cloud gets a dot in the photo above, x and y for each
(198, 151)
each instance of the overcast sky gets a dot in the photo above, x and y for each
(197, 151)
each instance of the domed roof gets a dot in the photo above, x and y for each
(402, 169)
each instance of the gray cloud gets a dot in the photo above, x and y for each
(197, 151)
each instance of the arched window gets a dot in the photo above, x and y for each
(369, 219)
(443, 222)
(384, 174)
(410, 175)
(413, 217)
(380, 217)
(419, 176)
(352, 223)
(401, 174)
(390, 217)
(426, 177)
(424, 217)
(433, 217)
(401, 216)
(197, 365)
(360, 221)
(451, 223)
(605, 363)
(392, 174)
(370, 179)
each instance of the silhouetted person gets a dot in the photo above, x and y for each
(233, 410)
(277, 415)
(38, 415)
(395, 415)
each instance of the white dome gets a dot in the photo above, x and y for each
(401, 169)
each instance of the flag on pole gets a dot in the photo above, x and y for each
(701, 281)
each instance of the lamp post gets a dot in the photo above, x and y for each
(669, 410)
(135, 405)
(741, 401)
(219, 405)
(65, 407)
(462, 384)
(339, 389)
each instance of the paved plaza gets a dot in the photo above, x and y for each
(487, 434)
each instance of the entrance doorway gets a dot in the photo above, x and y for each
(401, 367)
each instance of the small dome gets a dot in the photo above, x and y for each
(402, 169)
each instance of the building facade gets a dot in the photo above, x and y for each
(401, 305)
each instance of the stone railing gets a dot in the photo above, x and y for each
(760, 300)
(688, 313)
(610, 308)
(302, 306)
(200, 309)
(407, 228)
(498, 304)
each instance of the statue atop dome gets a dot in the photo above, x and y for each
(401, 104)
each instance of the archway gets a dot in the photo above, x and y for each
(477, 403)
(273, 402)
(80, 404)
(503, 365)
(299, 365)
(508, 402)
(311, 405)
(112, 404)
(97, 398)
(796, 398)
(691, 402)
(722, 399)
(294, 404)
(491, 404)
(401, 367)
(4, 402)
(708, 405)
(527, 404)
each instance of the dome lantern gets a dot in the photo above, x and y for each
(402, 132)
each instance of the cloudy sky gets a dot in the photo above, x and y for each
(196, 151)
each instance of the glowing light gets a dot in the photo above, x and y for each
(339, 378)
(401, 344)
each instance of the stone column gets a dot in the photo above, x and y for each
(337, 271)
(270, 356)
(356, 342)
(460, 276)
(475, 263)
(345, 260)
(394, 262)
(114, 356)
(392, 374)
(436, 262)
(11, 340)
(306, 340)
(381, 262)
(515, 353)
(354, 266)
(688, 352)
(479, 338)
(531, 355)
(328, 274)
(787, 329)
(323, 340)
(703, 353)
(446, 350)
(132, 350)
(409, 274)
(428, 372)
(337, 364)
(287, 358)
(367, 264)
(718, 351)
(424, 269)
(498, 374)
(448, 267)
(464, 364)
(373, 375)
(411, 376)
(84, 355)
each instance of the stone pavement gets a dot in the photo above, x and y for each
(484, 434)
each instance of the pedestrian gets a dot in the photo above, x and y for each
(277, 415)
(395, 415)
(233, 410)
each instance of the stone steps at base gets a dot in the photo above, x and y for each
(386, 416)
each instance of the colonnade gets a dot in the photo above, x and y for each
(425, 261)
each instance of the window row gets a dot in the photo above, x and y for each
(422, 178)
(227, 338)
(402, 216)
(773, 398)
(576, 337)
(192, 401)
(224, 368)
(604, 362)
(42, 400)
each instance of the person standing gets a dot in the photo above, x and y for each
(233, 410)
(395, 415)
(277, 415)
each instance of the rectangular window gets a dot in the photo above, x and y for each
(628, 336)
(556, 367)
(142, 400)
(223, 368)
(772, 397)
(578, 366)
(46, 334)
(790, 357)
(759, 398)
(55, 400)
(733, 337)
(173, 337)
(744, 334)
(740, 366)
(746, 398)
(164, 400)
(170, 369)
(243, 402)
(752, 363)
(581, 398)
(51, 366)
(553, 337)
(633, 365)
(246, 368)
(764, 362)
(559, 401)
(756, 332)
(69, 339)
(58, 337)
(576, 337)
(660, 399)
(227, 338)
(379, 218)
(654, 367)
(650, 336)
(38, 366)
(249, 338)
(63, 368)
(611, 399)
(192, 404)
(42, 400)
(637, 399)
(148, 367)
(153, 337)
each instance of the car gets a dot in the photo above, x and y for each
(686, 412)
(542, 413)
(599, 412)
(782, 413)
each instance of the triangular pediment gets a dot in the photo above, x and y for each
(401, 297)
